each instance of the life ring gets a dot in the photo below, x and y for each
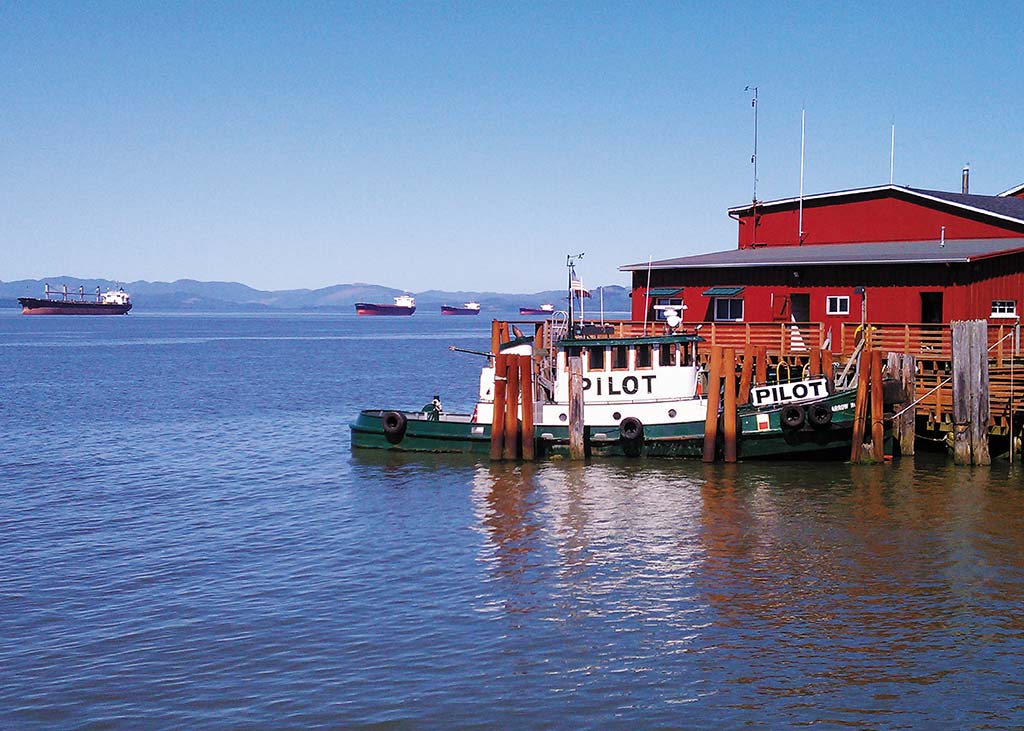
(820, 415)
(394, 426)
(791, 417)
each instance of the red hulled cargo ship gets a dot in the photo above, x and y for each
(111, 302)
(404, 305)
(468, 308)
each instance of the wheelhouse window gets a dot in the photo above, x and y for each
(570, 353)
(644, 356)
(595, 359)
(620, 358)
(1004, 308)
(728, 309)
(667, 354)
(835, 305)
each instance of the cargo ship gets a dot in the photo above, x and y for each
(111, 302)
(468, 308)
(542, 310)
(404, 305)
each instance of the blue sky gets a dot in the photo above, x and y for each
(469, 145)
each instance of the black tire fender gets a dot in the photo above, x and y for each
(631, 429)
(820, 415)
(791, 417)
(394, 426)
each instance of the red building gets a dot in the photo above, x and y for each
(900, 254)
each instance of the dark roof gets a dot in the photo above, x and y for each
(1000, 206)
(889, 252)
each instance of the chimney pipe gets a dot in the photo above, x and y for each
(966, 178)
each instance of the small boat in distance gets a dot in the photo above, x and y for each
(468, 308)
(111, 302)
(542, 310)
(404, 305)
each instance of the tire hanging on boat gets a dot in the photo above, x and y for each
(792, 417)
(394, 426)
(820, 415)
(631, 431)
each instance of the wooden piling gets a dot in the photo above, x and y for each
(901, 366)
(495, 336)
(729, 416)
(826, 364)
(511, 450)
(762, 365)
(577, 446)
(980, 396)
(526, 387)
(746, 375)
(877, 408)
(711, 418)
(498, 420)
(814, 363)
(860, 407)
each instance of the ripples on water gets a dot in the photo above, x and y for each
(189, 543)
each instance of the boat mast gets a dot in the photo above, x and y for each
(570, 263)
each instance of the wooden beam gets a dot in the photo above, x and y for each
(711, 417)
(498, 420)
(577, 445)
(746, 375)
(860, 406)
(526, 386)
(877, 408)
(729, 416)
(511, 450)
(961, 393)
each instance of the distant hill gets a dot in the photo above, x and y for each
(191, 295)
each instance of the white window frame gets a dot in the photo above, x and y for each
(660, 303)
(730, 300)
(1004, 308)
(838, 299)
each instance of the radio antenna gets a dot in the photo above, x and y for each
(753, 158)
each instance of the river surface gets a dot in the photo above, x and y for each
(187, 541)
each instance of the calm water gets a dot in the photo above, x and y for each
(186, 541)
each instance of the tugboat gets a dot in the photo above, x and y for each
(644, 395)
(468, 308)
(404, 305)
(544, 310)
(111, 302)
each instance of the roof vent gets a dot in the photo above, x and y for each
(966, 178)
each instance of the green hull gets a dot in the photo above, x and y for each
(761, 436)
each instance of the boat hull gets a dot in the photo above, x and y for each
(366, 308)
(33, 306)
(449, 310)
(762, 435)
(534, 311)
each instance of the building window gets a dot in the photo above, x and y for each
(837, 305)
(620, 357)
(728, 310)
(1004, 308)
(661, 303)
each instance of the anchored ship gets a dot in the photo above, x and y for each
(468, 308)
(111, 302)
(542, 310)
(404, 305)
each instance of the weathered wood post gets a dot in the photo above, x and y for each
(877, 408)
(746, 375)
(814, 363)
(511, 450)
(860, 406)
(711, 418)
(729, 415)
(526, 385)
(902, 366)
(980, 397)
(826, 364)
(498, 419)
(577, 445)
(970, 392)
(762, 365)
